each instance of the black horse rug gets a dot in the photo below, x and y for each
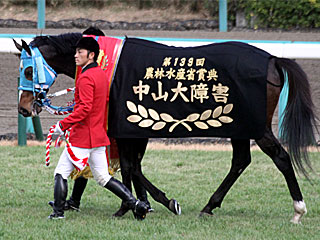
(217, 90)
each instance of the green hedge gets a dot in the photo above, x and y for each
(284, 14)
(276, 14)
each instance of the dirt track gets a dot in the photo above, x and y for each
(9, 67)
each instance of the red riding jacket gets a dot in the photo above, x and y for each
(89, 118)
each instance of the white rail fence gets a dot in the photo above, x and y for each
(287, 49)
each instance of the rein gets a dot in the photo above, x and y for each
(46, 103)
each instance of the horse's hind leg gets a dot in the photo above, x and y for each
(138, 154)
(141, 183)
(271, 146)
(240, 160)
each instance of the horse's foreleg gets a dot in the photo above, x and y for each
(141, 183)
(240, 160)
(157, 194)
(271, 146)
(138, 153)
(131, 152)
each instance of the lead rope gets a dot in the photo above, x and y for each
(56, 111)
(78, 163)
(57, 142)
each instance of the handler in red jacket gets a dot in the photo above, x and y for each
(88, 136)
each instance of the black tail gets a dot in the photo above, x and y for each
(299, 122)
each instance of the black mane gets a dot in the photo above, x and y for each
(64, 43)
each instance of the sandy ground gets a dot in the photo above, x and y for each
(9, 67)
(116, 12)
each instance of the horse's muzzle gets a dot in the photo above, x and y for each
(24, 112)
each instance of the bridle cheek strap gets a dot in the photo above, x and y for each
(40, 70)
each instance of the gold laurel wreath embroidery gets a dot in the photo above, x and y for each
(102, 60)
(151, 118)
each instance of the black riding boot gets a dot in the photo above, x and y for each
(60, 195)
(79, 185)
(139, 208)
(74, 202)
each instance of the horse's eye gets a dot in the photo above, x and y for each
(28, 73)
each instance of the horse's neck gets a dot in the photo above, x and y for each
(65, 65)
(61, 63)
(59, 53)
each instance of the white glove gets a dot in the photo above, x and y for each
(58, 129)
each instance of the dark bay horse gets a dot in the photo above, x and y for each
(298, 124)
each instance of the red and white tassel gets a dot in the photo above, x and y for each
(55, 112)
(58, 142)
(79, 163)
(48, 144)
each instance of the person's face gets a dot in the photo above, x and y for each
(83, 57)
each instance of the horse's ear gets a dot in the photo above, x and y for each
(26, 47)
(18, 46)
(93, 31)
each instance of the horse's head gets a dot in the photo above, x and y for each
(40, 62)
(36, 77)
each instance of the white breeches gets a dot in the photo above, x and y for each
(97, 160)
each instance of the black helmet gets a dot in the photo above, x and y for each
(89, 44)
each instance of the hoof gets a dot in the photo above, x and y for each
(51, 203)
(299, 210)
(174, 207)
(55, 216)
(140, 211)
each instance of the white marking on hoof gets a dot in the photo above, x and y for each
(299, 210)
